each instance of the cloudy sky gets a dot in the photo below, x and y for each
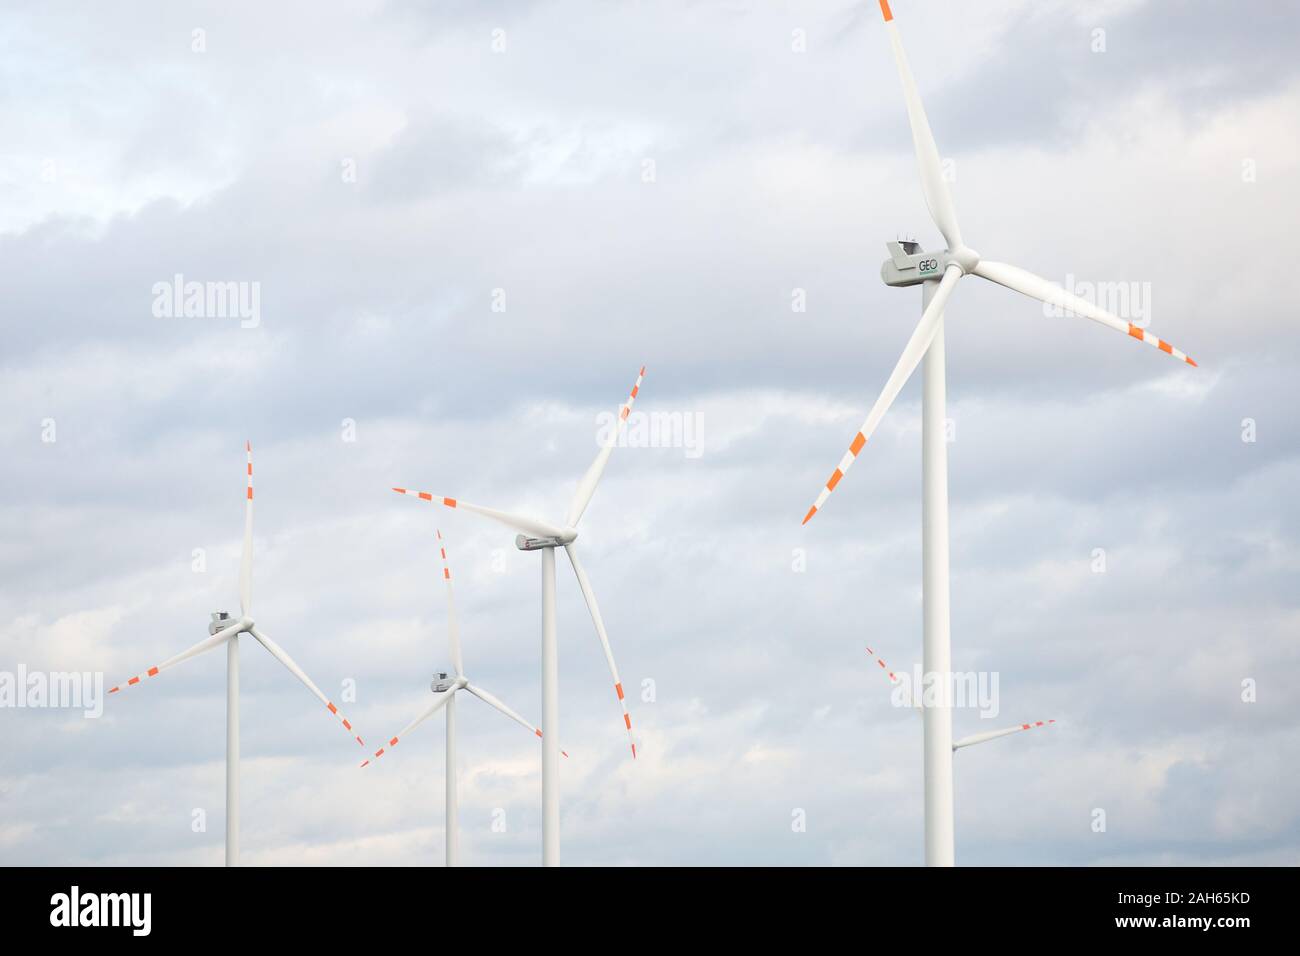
(469, 225)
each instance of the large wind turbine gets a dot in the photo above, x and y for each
(226, 630)
(938, 274)
(445, 688)
(538, 535)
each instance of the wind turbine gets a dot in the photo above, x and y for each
(445, 688)
(223, 629)
(938, 274)
(543, 536)
(970, 741)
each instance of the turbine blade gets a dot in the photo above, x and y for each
(207, 644)
(246, 559)
(527, 525)
(938, 199)
(913, 352)
(278, 653)
(994, 734)
(500, 705)
(453, 625)
(428, 712)
(587, 486)
(894, 679)
(1036, 287)
(590, 597)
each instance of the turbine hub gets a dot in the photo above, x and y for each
(965, 258)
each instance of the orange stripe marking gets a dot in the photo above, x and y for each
(393, 742)
(627, 720)
(152, 672)
(134, 680)
(346, 725)
(250, 492)
(333, 709)
(449, 502)
(426, 496)
(884, 8)
(808, 517)
(446, 574)
(1165, 347)
(834, 479)
(1134, 331)
(618, 689)
(858, 441)
(1192, 364)
(539, 733)
(635, 389)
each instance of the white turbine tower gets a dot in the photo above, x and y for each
(223, 629)
(938, 273)
(538, 535)
(445, 688)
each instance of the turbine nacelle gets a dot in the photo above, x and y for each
(222, 621)
(909, 264)
(525, 543)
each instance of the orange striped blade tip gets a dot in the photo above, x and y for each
(538, 732)
(884, 8)
(1143, 336)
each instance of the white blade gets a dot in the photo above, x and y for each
(937, 197)
(587, 486)
(246, 559)
(590, 597)
(428, 712)
(913, 352)
(994, 734)
(207, 644)
(278, 653)
(1036, 287)
(496, 702)
(527, 525)
(453, 625)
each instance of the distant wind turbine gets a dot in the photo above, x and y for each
(539, 535)
(445, 688)
(226, 630)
